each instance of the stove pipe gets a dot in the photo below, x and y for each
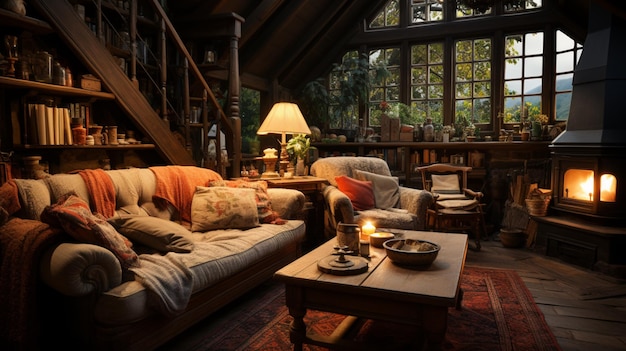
(599, 86)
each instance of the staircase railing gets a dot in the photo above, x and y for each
(230, 126)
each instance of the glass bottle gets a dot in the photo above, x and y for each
(429, 130)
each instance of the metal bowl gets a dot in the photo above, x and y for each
(377, 239)
(409, 252)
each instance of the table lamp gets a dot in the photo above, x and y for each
(284, 118)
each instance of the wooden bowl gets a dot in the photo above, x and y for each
(377, 239)
(408, 252)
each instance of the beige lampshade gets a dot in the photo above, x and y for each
(284, 118)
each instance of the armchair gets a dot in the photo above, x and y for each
(408, 212)
(456, 207)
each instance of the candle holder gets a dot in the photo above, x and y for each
(10, 41)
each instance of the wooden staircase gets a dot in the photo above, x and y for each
(98, 59)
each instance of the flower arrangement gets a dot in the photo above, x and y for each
(299, 146)
(541, 118)
(384, 106)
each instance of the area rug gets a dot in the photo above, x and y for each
(498, 313)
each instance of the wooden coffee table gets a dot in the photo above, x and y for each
(387, 292)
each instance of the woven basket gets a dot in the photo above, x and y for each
(537, 207)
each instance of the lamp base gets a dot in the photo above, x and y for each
(270, 175)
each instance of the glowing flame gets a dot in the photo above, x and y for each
(580, 184)
(587, 187)
(608, 187)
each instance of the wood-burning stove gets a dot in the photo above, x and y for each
(590, 182)
(587, 225)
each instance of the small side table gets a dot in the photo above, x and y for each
(311, 187)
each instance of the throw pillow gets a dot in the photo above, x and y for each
(445, 183)
(360, 192)
(386, 188)
(73, 215)
(263, 202)
(9, 200)
(220, 207)
(160, 234)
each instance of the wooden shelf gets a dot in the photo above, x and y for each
(53, 89)
(12, 19)
(86, 147)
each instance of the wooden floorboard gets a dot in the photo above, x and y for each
(586, 310)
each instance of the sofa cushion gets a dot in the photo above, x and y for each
(34, 197)
(360, 192)
(160, 234)
(223, 207)
(386, 188)
(73, 215)
(263, 202)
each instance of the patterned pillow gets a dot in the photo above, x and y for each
(263, 202)
(73, 215)
(9, 200)
(223, 208)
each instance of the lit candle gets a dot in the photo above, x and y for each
(367, 230)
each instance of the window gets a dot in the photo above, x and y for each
(426, 11)
(523, 71)
(344, 81)
(440, 69)
(521, 5)
(472, 81)
(567, 55)
(388, 17)
(427, 79)
(388, 88)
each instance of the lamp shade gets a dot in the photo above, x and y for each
(284, 118)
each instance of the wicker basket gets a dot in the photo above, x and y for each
(537, 207)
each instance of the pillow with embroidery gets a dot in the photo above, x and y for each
(223, 207)
(73, 215)
(263, 202)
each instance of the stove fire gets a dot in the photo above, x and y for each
(579, 184)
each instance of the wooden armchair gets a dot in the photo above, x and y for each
(456, 208)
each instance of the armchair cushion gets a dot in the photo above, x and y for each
(386, 188)
(445, 184)
(360, 192)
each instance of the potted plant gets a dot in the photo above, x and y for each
(298, 148)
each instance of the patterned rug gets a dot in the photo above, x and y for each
(498, 314)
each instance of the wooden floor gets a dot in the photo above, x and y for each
(586, 310)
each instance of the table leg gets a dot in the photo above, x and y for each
(297, 330)
(435, 323)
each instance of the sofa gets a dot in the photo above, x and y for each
(177, 243)
(388, 204)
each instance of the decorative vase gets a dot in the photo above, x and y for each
(536, 130)
(300, 167)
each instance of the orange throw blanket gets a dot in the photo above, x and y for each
(101, 191)
(176, 185)
(22, 243)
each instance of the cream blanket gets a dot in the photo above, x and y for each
(168, 280)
